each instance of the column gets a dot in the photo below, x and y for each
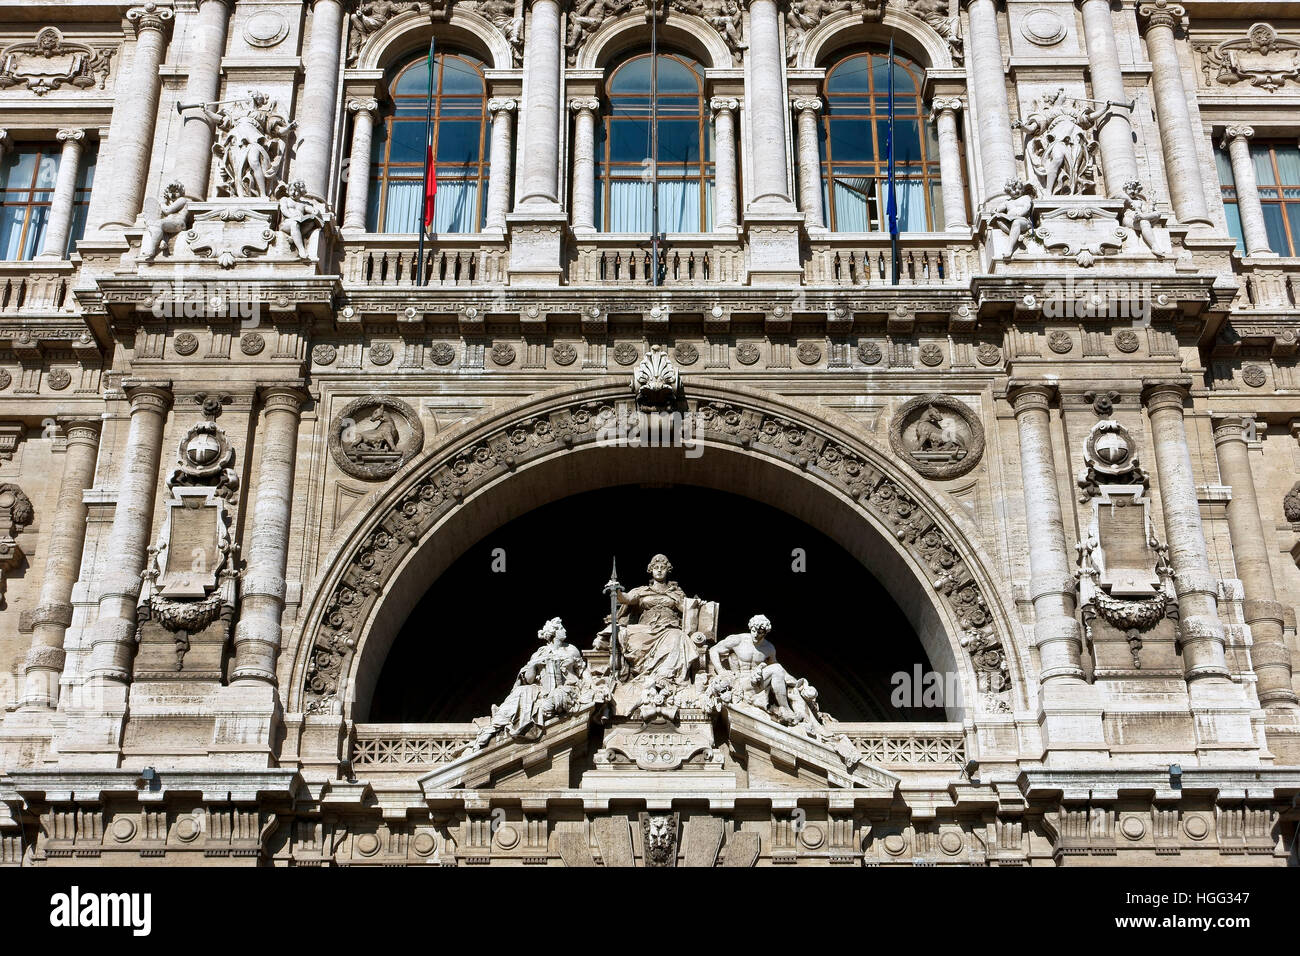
(1057, 634)
(584, 162)
(65, 195)
(952, 179)
(113, 638)
(131, 135)
(810, 167)
(261, 598)
(502, 162)
(6, 141)
(1270, 655)
(319, 92)
(766, 105)
(204, 48)
(363, 127)
(987, 81)
(1118, 159)
(541, 113)
(1236, 139)
(1199, 628)
(67, 535)
(725, 208)
(1178, 136)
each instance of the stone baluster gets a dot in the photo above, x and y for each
(131, 135)
(1118, 158)
(952, 179)
(1270, 654)
(1236, 139)
(63, 201)
(67, 535)
(766, 105)
(584, 162)
(725, 208)
(541, 112)
(810, 167)
(204, 49)
(987, 82)
(1179, 138)
(128, 539)
(1057, 634)
(1200, 630)
(319, 94)
(503, 110)
(262, 592)
(363, 112)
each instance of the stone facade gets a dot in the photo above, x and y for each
(241, 434)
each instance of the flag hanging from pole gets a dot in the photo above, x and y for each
(430, 169)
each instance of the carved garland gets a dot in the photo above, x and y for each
(461, 471)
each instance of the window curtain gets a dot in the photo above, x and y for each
(453, 211)
(679, 206)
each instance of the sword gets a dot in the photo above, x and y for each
(613, 588)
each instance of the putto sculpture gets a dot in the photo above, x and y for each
(300, 215)
(1014, 214)
(174, 218)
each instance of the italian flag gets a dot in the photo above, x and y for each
(430, 169)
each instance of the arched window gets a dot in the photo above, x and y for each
(855, 151)
(460, 148)
(685, 147)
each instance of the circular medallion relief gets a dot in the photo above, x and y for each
(747, 353)
(564, 353)
(937, 435)
(1196, 827)
(443, 353)
(625, 353)
(1133, 828)
(1126, 340)
(188, 828)
(809, 353)
(324, 354)
(123, 829)
(1060, 342)
(950, 842)
(1043, 27)
(988, 354)
(930, 354)
(687, 354)
(251, 343)
(265, 28)
(812, 836)
(367, 844)
(5, 378)
(1252, 375)
(381, 353)
(186, 343)
(423, 844)
(374, 436)
(894, 844)
(507, 837)
(869, 353)
(503, 353)
(59, 379)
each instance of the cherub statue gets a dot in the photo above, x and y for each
(1140, 215)
(1014, 213)
(507, 17)
(752, 657)
(300, 214)
(727, 21)
(174, 217)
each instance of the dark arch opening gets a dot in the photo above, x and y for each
(834, 623)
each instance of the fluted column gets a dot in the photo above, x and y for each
(1179, 138)
(128, 539)
(261, 599)
(1118, 158)
(725, 208)
(1057, 634)
(502, 109)
(584, 162)
(952, 179)
(766, 105)
(989, 88)
(363, 112)
(1200, 630)
(65, 194)
(67, 535)
(204, 49)
(319, 93)
(541, 113)
(1270, 654)
(810, 167)
(131, 135)
(1236, 139)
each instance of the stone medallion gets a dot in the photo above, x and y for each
(265, 28)
(747, 353)
(809, 353)
(59, 379)
(374, 436)
(252, 343)
(186, 343)
(5, 378)
(1060, 342)
(381, 353)
(937, 435)
(687, 354)
(625, 353)
(869, 353)
(930, 354)
(1126, 340)
(442, 353)
(503, 353)
(1252, 375)
(988, 354)
(564, 353)
(324, 354)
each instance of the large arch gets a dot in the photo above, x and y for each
(846, 28)
(809, 462)
(397, 38)
(681, 30)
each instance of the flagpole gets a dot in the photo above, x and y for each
(892, 204)
(425, 217)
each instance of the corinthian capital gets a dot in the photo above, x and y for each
(1162, 13)
(149, 16)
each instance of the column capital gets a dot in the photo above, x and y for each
(151, 396)
(363, 105)
(71, 135)
(582, 103)
(1162, 13)
(1236, 132)
(946, 104)
(502, 104)
(1028, 395)
(80, 428)
(810, 104)
(5, 140)
(149, 16)
(1160, 393)
(1233, 427)
(283, 396)
(719, 104)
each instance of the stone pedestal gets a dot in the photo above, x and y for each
(773, 246)
(536, 247)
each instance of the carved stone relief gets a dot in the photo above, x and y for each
(49, 61)
(938, 436)
(374, 436)
(1261, 58)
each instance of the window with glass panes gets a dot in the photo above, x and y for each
(1277, 171)
(855, 147)
(460, 148)
(27, 175)
(685, 148)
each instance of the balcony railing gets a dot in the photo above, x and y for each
(864, 260)
(1270, 284)
(35, 288)
(449, 261)
(685, 260)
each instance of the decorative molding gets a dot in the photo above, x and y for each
(49, 61)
